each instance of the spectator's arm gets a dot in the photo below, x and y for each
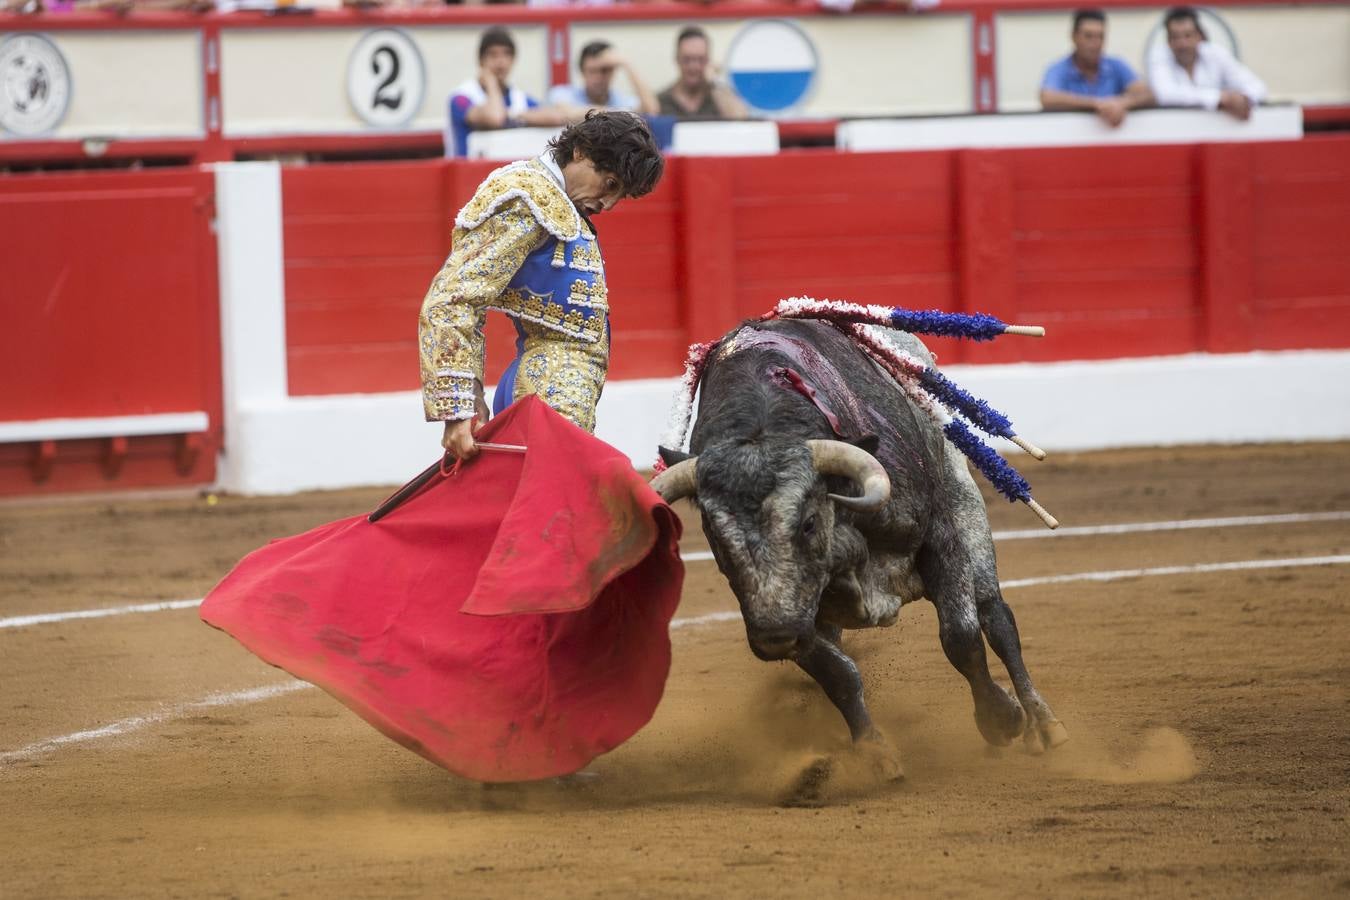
(1060, 101)
(647, 102)
(491, 113)
(1137, 95)
(1172, 87)
(1238, 77)
(729, 106)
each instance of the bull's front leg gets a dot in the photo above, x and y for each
(838, 676)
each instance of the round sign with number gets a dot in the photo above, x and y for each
(386, 79)
(34, 85)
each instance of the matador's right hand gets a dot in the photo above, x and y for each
(458, 438)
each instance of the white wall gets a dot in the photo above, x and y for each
(276, 444)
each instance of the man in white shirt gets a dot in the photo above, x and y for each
(1191, 71)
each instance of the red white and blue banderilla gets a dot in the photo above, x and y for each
(938, 396)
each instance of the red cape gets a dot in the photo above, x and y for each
(508, 622)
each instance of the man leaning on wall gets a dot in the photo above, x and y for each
(489, 101)
(699, 92)
(1088, 79)
(1191, 71)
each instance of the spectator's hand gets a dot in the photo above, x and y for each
(611, 59)
(1112, 110)
(458, 438)
(1237, 105)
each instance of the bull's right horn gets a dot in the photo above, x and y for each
(677, 481)
(839, 458)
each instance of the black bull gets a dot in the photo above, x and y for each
(791, 414)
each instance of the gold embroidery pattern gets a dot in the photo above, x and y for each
(559, 257)
(544, 311)
(450, 330)
(589, 296)
(586, 257)
(531, 183)
(566, 375)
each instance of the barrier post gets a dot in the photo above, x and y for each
(986, 275)
(1227, 248)
(708, 260)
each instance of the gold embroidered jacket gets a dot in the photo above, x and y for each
(519, 246)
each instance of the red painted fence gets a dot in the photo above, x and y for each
(1119, 251)
(109, 299)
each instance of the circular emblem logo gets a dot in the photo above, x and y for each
(772, 64)
(1214, 26)
(34, 85)
(386, 79)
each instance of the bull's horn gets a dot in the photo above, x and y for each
(677, 481)
(839, 458)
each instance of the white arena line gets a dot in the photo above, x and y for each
(1031, 534)
(136, 723)
(706, 556)
(239, 698)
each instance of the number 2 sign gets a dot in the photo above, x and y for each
(386, 79)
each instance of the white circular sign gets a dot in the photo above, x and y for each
(772, 64)
(34, 85)
(386, 79)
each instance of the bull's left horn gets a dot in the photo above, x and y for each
(677, 481)
(839, 458)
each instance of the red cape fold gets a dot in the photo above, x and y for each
(508, 622)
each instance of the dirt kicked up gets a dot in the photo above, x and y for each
(1208, 706)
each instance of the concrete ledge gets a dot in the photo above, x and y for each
(308, 443)
(106, 426)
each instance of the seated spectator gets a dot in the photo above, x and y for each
(1090, 80)
(598, 63)
(695, 95)
(1191, 71)
(489, 102)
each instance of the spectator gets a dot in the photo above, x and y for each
(695, 95)
(598, 63)
(489, 102)
(1088, 79)
(1191, 71)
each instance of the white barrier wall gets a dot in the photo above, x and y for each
(1068, 129)
(276, 444)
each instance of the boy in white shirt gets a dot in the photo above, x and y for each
(1191, 71)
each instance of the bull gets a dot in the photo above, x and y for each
(791, 414)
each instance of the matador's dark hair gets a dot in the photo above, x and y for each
(616, 142)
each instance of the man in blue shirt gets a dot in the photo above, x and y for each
(1087, 79)
(598, 63)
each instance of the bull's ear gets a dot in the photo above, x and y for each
(671, 457)
(868, 442)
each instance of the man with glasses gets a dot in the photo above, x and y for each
(696, 95)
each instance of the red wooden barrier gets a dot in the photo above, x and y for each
(109, 308)
(1119, 251)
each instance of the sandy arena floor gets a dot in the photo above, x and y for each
(1209, 712)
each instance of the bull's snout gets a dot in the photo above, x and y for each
(780, 644)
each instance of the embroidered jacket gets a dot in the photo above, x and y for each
(519, 246)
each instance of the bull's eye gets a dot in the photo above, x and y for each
(809, 526)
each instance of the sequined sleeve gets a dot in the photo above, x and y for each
(450, 329)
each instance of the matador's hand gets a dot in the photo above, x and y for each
(458, 438)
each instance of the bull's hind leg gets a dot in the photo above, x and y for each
(1043, 730)
(998, 716)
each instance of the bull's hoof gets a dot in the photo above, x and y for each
(1045, 734)
(808, 788)
(999, 717)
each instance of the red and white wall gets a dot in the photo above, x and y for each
(1191, 293)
